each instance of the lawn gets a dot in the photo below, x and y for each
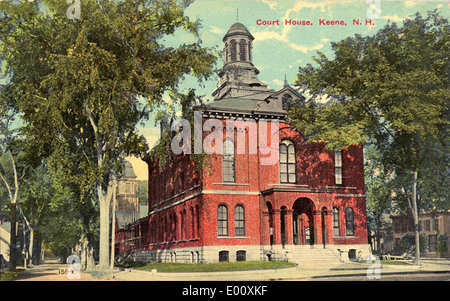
(397, 262)
(206, 267)
(7, 275)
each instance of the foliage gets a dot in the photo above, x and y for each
(442, 245)
(390, 90)
(83, 85)
(143, 192)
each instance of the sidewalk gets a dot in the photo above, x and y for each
(316, 272)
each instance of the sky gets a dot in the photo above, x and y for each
(279, 50)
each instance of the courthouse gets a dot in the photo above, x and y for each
(306, 205)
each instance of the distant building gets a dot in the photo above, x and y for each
(127, 201)
(5, 235)
(381, 240)
(433, 226)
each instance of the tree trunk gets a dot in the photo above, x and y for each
(30, 247)
(13, 239)
(416, 219)
(113, 234)
(104, 229)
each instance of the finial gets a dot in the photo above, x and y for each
(237, 14)
(285, 81)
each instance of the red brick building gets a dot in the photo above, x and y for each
(243, 206)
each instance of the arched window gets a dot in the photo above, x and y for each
(286, 101)
(349, 222)
(233, 50)
(239, 221)
(336, 227)
(249, 51)
(241, 255)
(222, 220)
(228, 161)
(242, 48)
(226, 52)
(224, 256)
(287, 162)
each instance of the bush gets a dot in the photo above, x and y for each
(442, 245)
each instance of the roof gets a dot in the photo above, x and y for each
(128, 171)
(244, 104)
(238, 28)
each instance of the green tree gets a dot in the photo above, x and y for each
(390, 89)
(84, 84)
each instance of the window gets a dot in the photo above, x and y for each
(349, 222)
(338, 167)
(224, 256)
(427, 225)
(228, 161)
(435, 224)
(233, 50)
(336, 227)
(239, 221)
(242, 48)
(286, 101)
(432, 243)
(222, 221)
(287, 162)
(241, 255)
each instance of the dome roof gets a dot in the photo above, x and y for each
(238, 28)
(128, 171)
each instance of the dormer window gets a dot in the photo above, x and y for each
(286, 101)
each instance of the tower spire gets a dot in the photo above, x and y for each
(285, 81)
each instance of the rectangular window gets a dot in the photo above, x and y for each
(336, 228)
(435, 224)
(338, 167)
(432, 243)
(228, 164)
(222, 221)
(427, 225)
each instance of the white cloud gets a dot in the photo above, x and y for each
(306, 49)
(272, 4)
(283, 36)
(277, 82)
(394, 18)
(410, 3)
(216, 30)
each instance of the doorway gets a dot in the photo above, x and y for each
(303, 222)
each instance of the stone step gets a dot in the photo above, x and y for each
(305, 256)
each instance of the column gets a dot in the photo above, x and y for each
(276, 227)
(317, 227)
(288, 226)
